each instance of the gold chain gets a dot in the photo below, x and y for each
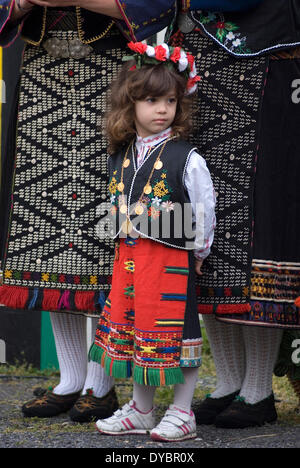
(139, 209)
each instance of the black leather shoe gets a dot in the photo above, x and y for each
(207, 411)
(90, 408)
(240, 414)
(48, 404)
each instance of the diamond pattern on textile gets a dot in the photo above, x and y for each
(225, 131)
(60, 173)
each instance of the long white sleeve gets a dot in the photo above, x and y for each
(198, 183)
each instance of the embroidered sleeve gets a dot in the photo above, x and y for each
(220, 5)
(202, 196)
(142, 19)
(8, 31)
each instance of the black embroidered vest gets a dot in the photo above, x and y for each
(271, 26)
(166, 213)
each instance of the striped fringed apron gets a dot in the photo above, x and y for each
(149, 327)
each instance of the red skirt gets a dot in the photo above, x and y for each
(149, 327)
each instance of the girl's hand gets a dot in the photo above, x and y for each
(198, 266)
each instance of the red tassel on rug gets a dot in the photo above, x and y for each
(50, 299)
(205, 309)
(233, 309)
(297, 302)
(85, 301)
(14, 297)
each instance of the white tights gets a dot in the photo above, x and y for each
(71, 346)
(143, 395)
(244, 358)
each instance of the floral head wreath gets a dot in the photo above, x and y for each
(171, 56)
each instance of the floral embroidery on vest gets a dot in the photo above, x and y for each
(226, 31)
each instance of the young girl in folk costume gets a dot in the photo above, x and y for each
(149, 328)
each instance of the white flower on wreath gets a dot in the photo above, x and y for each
(183, 62)
(150, 51)
(168, 206)
(156, 201)
(230, 36)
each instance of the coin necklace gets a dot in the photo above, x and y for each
(127, 226)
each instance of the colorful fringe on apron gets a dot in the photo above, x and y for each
(149, 326)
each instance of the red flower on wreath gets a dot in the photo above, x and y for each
(191, 60)
(220, 25)
(160, 53)
(138, 47)
(176, 55)
(192, 81)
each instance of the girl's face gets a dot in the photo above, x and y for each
(155, 114)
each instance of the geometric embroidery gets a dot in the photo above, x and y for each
(225, 133)
(275, 281)
(60, 173)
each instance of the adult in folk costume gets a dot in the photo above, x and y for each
(55, 175)
(247, 121)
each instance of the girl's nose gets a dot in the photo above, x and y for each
(162, 108)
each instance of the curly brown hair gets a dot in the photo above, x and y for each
(134, 85)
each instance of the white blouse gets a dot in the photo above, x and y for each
(199, 186)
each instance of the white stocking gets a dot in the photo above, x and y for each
(70, 339)
(227, 347)
(262, 347)
(183, 393)
(96, 378)
(143, 396)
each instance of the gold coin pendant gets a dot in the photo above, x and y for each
(126, 163)
(123, 209)
(158, 165)
(147, 189)
(139, 209)
(121, 187)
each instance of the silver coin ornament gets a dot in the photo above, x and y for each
(185, 23)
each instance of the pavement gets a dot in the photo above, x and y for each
(60, 432)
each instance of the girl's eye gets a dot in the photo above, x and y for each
(172, 100)
(150, 99)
